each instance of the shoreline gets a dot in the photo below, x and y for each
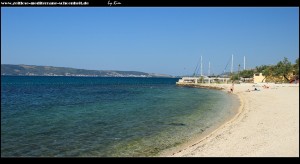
(200, 138)
(241, 135)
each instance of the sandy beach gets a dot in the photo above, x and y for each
(267, 125)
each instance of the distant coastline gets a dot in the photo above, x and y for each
(33, 70)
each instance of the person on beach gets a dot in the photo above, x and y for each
(255, 89)
(232, 87)
(265, 86)
(230, 90)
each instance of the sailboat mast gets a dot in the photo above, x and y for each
(201, 65)
(244, 62)
(209, 68)
(232, 63)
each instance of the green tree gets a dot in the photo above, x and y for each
(296, 67)
(247, 73)
(259, 69)
(201, 79)
(234, 77)
(283, 68)
(268, 71)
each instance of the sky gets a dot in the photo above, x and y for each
(166, 40)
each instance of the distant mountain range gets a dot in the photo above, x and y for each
(33, 70)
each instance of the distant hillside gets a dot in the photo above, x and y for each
(32, 70)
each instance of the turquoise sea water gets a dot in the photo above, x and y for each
(103, 117)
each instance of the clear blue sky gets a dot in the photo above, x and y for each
(164, 40)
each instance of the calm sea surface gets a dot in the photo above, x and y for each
(103, 117)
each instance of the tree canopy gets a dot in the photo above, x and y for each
(282, 70)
